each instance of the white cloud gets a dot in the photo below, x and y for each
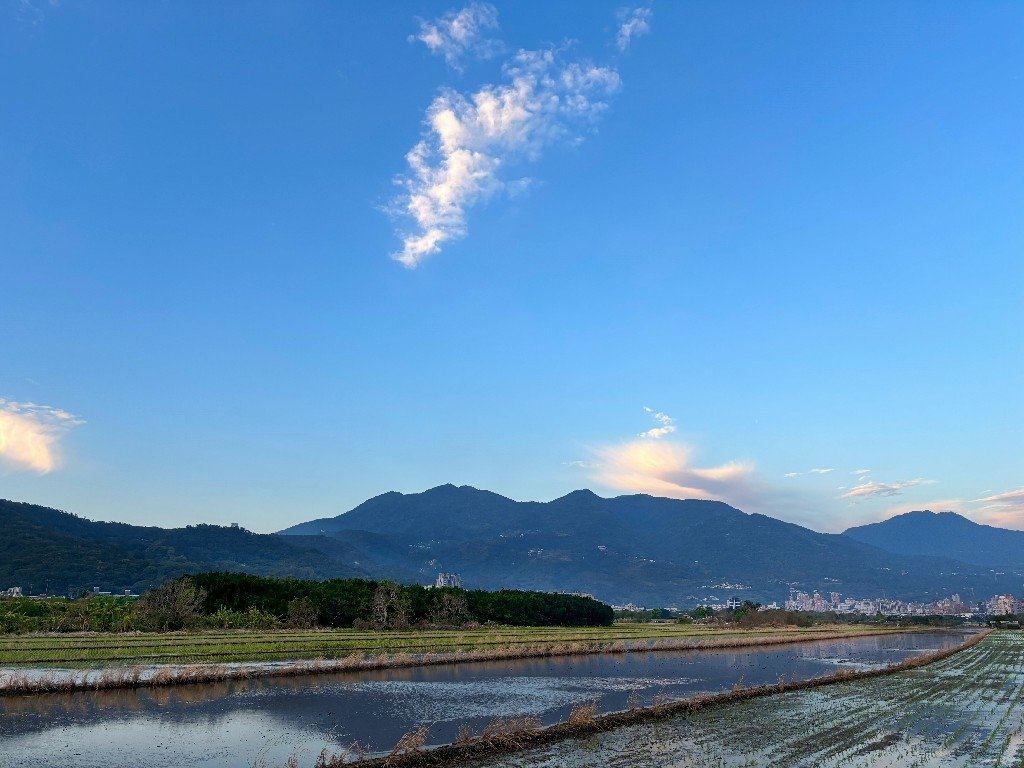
(667, 423)
(634, 22)
(792, 474)
(870, 488)
(30, 433)
(861, 472)
(822, 471)
(663, 467)
(471, 138)
(461, 33)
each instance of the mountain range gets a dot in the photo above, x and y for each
(636, 548)
(46, 550)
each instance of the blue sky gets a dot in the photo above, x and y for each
(785, 238)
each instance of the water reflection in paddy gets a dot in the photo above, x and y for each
(246, 723)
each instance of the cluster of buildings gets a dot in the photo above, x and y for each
(949, 606)
(1002, 605)
(19, 592)
(632, 607)
(447, 580)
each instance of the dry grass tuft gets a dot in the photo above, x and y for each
(354, 753)
(584, 714)
(509, 731)
(410, 744)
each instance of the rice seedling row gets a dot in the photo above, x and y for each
(888, 721)
(59, 642)
(186, 648)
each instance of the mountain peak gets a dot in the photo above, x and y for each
(580, 494)
(922, 517)
(948, 534)
(444, 488)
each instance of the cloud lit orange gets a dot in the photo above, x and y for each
(29, 435)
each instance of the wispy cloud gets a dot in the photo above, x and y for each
(30, 433)
(815, 471)
(473, 139)
(872, 488)
(1013, 498)
(633, 23)
(1004, 509)
(861, 472)
(667, 423)
(462, 33)
(32, 12)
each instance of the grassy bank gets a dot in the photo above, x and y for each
(121, 661)
(959, 683)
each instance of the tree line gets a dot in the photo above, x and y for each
(386, 605)
(243, 601)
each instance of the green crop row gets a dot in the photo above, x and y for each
(272, 645)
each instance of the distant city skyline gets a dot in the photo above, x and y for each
(771, 256)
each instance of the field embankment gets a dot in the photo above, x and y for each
(118, 660)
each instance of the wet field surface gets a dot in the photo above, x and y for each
(965, 711)
(264, 721)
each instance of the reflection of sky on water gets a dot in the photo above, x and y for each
(241, 723)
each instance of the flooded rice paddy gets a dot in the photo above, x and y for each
(966, 711)
(264, 721)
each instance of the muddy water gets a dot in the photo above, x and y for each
(262, 722)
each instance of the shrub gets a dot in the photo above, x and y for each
(176, 604)
(301, 613)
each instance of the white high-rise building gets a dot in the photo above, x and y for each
(448, 580)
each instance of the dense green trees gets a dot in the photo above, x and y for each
(348, 602)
